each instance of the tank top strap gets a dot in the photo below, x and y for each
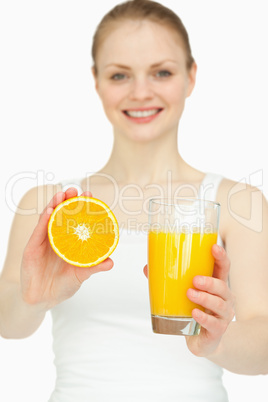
(75, 182)
(209, 187)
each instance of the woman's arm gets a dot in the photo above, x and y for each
(34, 278)
(18, 318)
(243, 347)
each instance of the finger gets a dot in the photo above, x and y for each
(221, 264)
(70, 193)
(57, 199)
(86, 194)
(40, 231)
(60, 196)
(39, 234)
(212, 324)
(215, 304)
(212, 285)
(145, 270)
(84, 273)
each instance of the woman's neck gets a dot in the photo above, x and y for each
(144, 163)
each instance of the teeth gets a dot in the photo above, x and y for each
(144, 113)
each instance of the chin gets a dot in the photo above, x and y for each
(143, 138)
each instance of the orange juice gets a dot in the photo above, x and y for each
(173, 261)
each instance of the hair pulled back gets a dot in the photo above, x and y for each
(140, 10)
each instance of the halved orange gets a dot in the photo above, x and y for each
(83, 231)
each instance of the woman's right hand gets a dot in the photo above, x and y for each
(46, 279)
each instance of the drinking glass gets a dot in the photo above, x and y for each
(181, 234)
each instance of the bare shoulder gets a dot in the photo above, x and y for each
(25, 219)
(35, 200)
(243, 207)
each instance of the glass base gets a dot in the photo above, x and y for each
(175, 325)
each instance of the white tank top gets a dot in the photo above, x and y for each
(104, 346)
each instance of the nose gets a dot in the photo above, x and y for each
(141, 89)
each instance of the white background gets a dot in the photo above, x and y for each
(52, 127)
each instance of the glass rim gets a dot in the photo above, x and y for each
(171, 201)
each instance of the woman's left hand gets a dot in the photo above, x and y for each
(214, 294)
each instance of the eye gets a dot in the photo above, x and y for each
(163, 74)
(118, 77)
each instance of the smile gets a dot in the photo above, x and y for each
(142, 114)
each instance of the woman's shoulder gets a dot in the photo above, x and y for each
(242, 204)
(39, 196)
(237, 193)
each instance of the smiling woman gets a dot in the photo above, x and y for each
(144, 72)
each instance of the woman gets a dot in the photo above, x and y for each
(144, 71)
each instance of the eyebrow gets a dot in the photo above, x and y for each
(128, 68)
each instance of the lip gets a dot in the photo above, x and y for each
(142, 120)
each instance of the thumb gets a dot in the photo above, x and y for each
(40, 232)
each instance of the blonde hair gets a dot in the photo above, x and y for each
(140, 10)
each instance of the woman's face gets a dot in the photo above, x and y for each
(142, 79)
